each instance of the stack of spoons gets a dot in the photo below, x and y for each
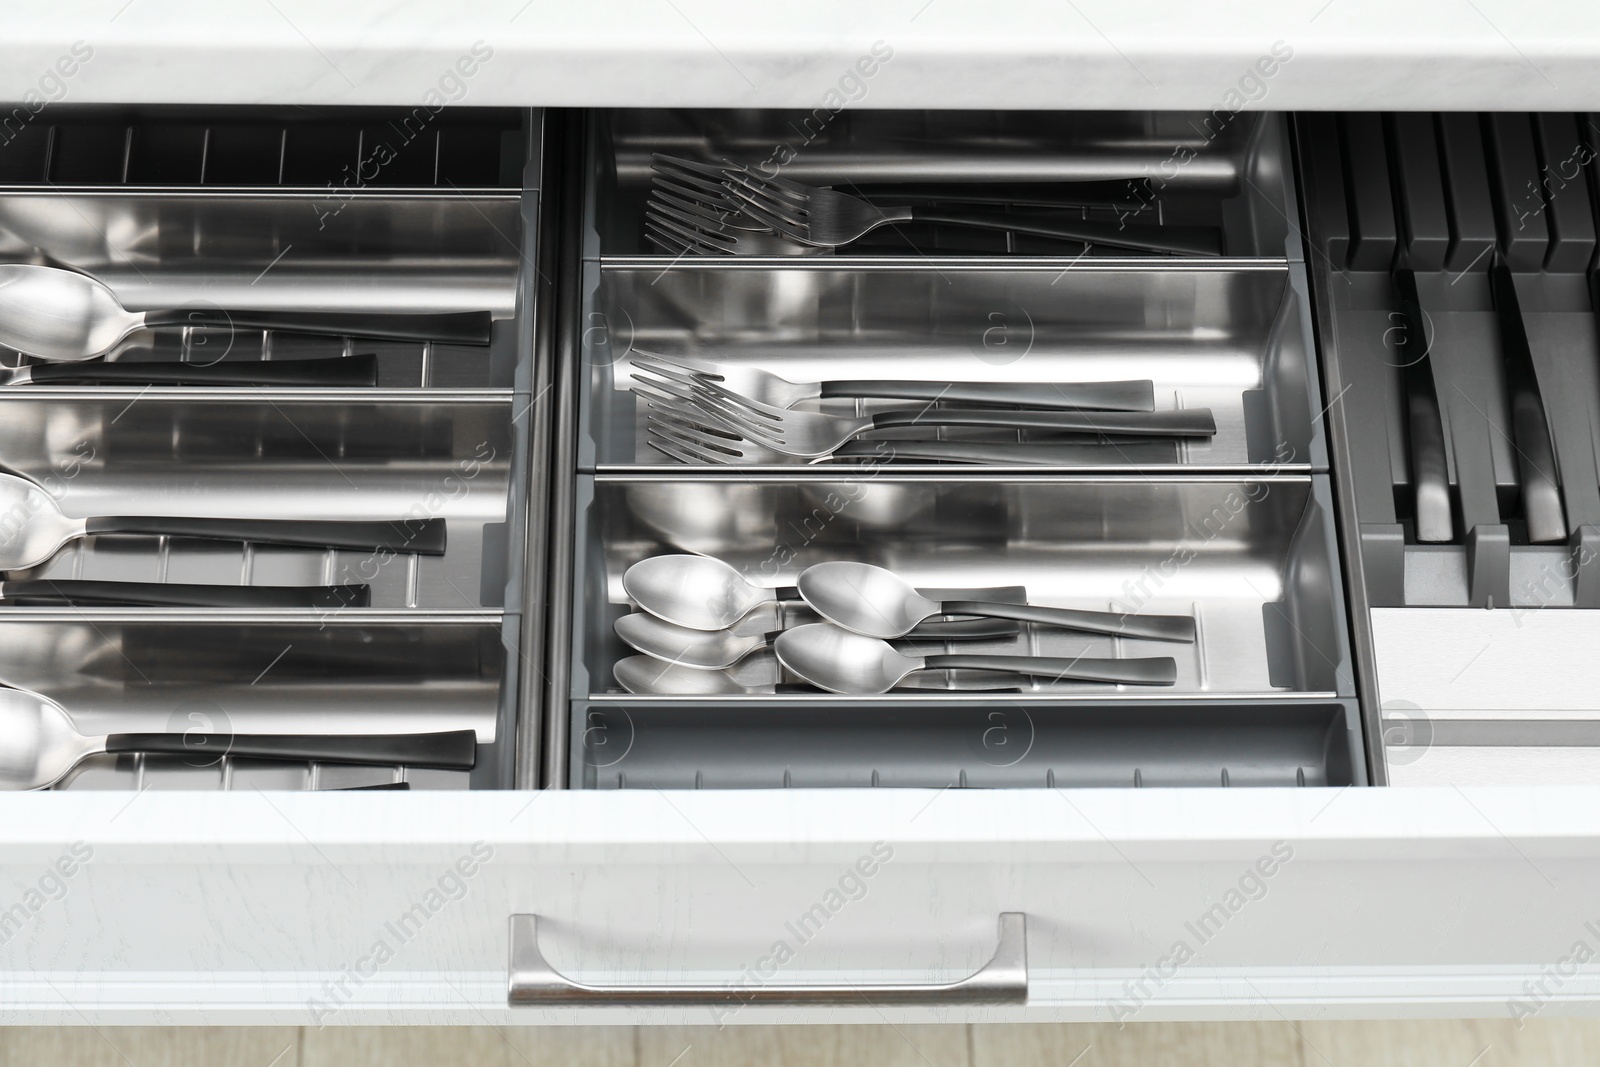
(719, 634)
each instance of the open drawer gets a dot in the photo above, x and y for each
(1054, 851)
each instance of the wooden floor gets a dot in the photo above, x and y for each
(1546, 1042)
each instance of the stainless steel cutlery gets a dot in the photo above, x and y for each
(39, 744)
(725, 624)
(57, 314)
(843, 662)
(743, 381)
(706, 416)
(717, 649)
(827, 218)
(33, 528)
(877, 602)
(729, 209)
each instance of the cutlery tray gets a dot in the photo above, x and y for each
(1450, 196)
(1236, 531)
(205, 209)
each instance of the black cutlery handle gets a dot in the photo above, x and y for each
(74, 591)
(1113, 623)
(460, 327)
(1033, 453)
(1175, 240)
(425, 537)
(452, 750)
(1151, 670)
(337, 372)
(1104, 396)
(1187, 422)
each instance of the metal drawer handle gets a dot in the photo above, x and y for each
(1003, 980)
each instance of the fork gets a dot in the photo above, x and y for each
(697, 445)
(827, 218)
(768, 388)
(810, 434)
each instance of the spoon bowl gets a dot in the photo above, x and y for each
(38, 743)
(698, 592)
(59, 314)
(32, 527)
(703, 650)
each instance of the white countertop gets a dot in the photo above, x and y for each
(1367, 54)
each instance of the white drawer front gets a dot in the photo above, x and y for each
(1140, 904)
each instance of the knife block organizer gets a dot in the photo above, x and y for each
(1446, 196)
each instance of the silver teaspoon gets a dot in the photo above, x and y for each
(842, 662)
(33, 528)
(879, 603)
(39, 744)
(61, 315)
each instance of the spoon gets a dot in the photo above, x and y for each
(842, 662)
(757, 676)
(61, 315)
(710, 650)
(32, 529)
(700, 592)
(879, 603)
(336, 372)
(39, 745)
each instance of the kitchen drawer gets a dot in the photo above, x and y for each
(1212, 851)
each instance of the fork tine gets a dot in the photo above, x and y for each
(771, 185)
(712, 194)
(702, 240)
(650, 372)
(793, 229)
(683, 450)
(752, 203)
(686, 234)
(745, 188)
(701, 414)
(687, 212)
(689, 438)
(677, 363)
(668, 243)
(661, 161)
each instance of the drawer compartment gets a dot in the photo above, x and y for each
(1223, 172)
(1230, 339)
(1455, 296)
(441, 436)
(1251, 562)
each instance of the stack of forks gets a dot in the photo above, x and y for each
(734, 210)
(706, 413)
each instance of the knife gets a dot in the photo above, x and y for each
(1530, 427)
(1430, 471)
